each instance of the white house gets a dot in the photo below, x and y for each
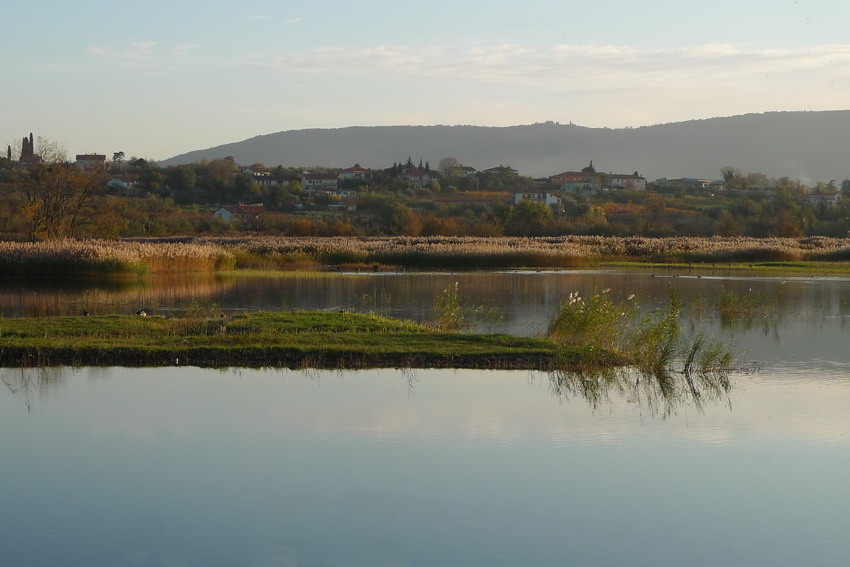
(633, 182)
(419, 177)
(341, 193)
(536, 196)
(123, 181)
(821, 200)
(319, 181)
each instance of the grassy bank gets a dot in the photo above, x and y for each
(296, 339)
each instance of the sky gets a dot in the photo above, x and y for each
(155, 79)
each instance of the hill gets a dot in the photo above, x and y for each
(810, 146)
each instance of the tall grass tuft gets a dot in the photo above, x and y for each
(746, 306)
(596, 321)
(452, 314)
(653, 344)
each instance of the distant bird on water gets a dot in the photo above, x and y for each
(141, 313)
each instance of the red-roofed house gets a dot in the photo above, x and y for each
(356, 172)
(240, 213)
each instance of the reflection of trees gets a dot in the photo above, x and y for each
(660, 393)
(27, 382)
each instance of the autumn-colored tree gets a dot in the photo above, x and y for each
(53, 195)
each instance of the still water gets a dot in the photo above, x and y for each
(197, 467)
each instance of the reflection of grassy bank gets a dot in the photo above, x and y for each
(300, 339)
(48, 296)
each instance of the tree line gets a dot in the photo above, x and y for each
(53, 198)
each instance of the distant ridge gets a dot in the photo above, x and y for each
(811, 146)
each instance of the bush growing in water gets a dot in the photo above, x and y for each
(652, 344)
(450, 313)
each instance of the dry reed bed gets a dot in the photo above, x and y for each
(209, 254)
(541, 251)
(110, 257)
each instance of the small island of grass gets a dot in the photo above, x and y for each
(265, 339)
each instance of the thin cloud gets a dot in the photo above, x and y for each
(294, 20)
(133, 50)
(561, 64)
(181, 50)
(146, 56)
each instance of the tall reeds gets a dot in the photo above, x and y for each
(100, 257)
(209, 254)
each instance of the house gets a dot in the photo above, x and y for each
(692, 182)
(502, 170)
(319, 181)
(356, 172)
(418, 177)
(633, 182)
(590, 180)
(586, 180)
(261, 176)
(821, 200)
(240, 213)
(341, 193)
(537, 196)
(91, 161)
(461, 171)
(123, 181)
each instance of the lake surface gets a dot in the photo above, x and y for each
(199, 467)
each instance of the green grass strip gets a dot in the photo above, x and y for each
(289, 339)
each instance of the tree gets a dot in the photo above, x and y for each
(52, 195)
(529, 218)
(448, 166)
(729, 173)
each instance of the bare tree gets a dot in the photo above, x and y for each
(52, 194)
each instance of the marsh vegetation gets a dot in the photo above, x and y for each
(104, 257)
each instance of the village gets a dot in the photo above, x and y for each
(137, 197)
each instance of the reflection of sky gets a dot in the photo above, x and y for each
(185, 466)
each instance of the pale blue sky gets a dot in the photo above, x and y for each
(156, 78)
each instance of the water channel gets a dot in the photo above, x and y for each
(200, 467)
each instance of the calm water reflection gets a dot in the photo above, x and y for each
(808, 317)
(192, 467)
(185, 466)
